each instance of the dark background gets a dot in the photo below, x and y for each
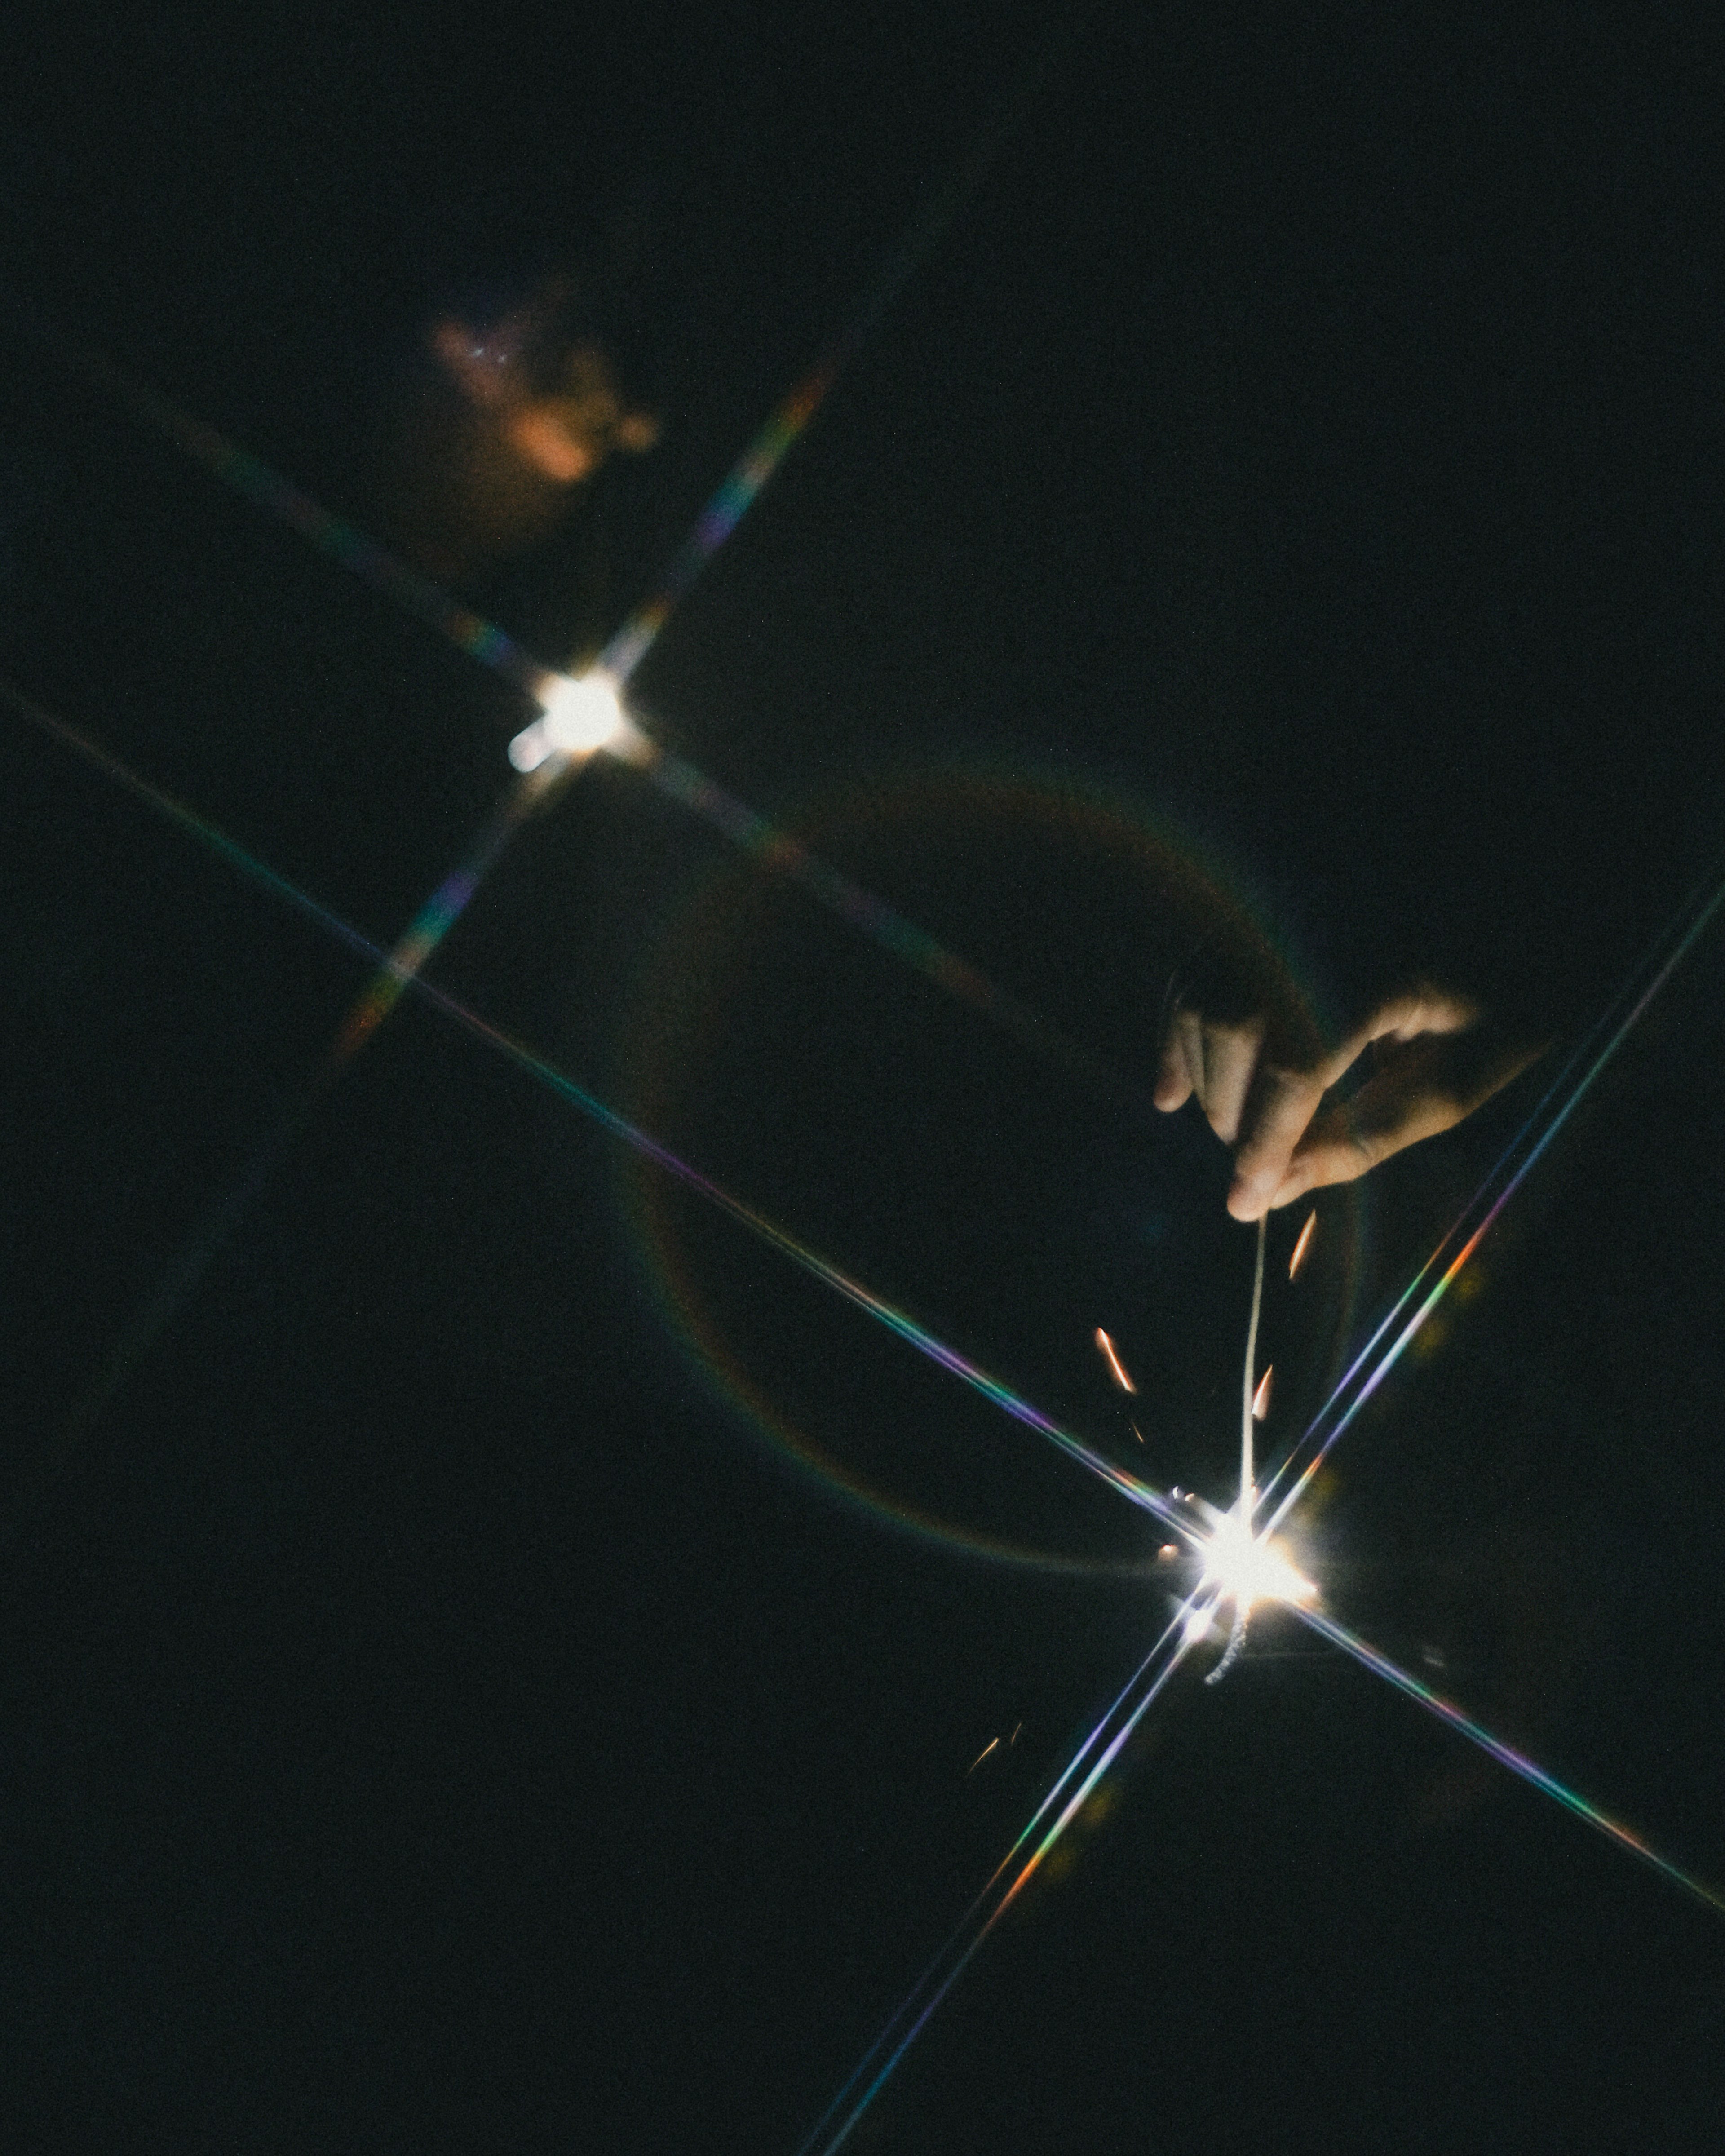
(435, 1715)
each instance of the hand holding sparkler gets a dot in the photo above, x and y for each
(1263, 1082)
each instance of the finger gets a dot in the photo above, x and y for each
(1404, 1017)
(1230, 1060)
(1394, 1109)
(1180, 1069)
(1282, 1106)
(1173, 1083)
(1425, 1088)
(1174, 1076)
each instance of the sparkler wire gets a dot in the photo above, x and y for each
(1249, 1383)
(1248, 1492)
(1561, 1099)
(1154, 1673)
(403, 966)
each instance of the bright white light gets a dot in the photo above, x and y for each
(1249, 1571)
(1198, 1623)
(582, 713)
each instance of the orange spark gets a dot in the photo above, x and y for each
(1115, 1364)
(980, 1757)
(1261, 1399)
(1302, 1246)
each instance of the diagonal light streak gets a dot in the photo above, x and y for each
(1557, 1105)
(544, 773)
(1192, 1621)
(673, 775)
(267, 488)
(1121, 1717)
(543, 776)
(547, 1073)
(1507, 1755)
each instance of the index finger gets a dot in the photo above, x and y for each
(1281, 1106)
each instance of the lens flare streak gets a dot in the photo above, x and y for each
(1228, 1574)
(1508, 1173)
(1087, 1768)
(394, 976)
(1517, 1762)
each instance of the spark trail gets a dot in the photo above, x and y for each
(1241, 1567)
(1410, 1310)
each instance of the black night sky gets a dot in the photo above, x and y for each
(498, 1666)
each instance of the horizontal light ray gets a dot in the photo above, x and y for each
(912, 2015)
(1556, 1106)
(1530, 1771)
(1137, 1492)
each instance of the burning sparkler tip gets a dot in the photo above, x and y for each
(1246, 1568)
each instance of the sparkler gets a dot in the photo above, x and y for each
(1235, 1564)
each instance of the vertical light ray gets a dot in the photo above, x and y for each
(1518, 1762)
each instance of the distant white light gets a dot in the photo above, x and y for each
(582, 713)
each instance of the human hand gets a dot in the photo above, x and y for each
(1435, 1056)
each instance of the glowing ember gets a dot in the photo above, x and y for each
(1302, 1246)
(1261, 1399)
(1121, 1375)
